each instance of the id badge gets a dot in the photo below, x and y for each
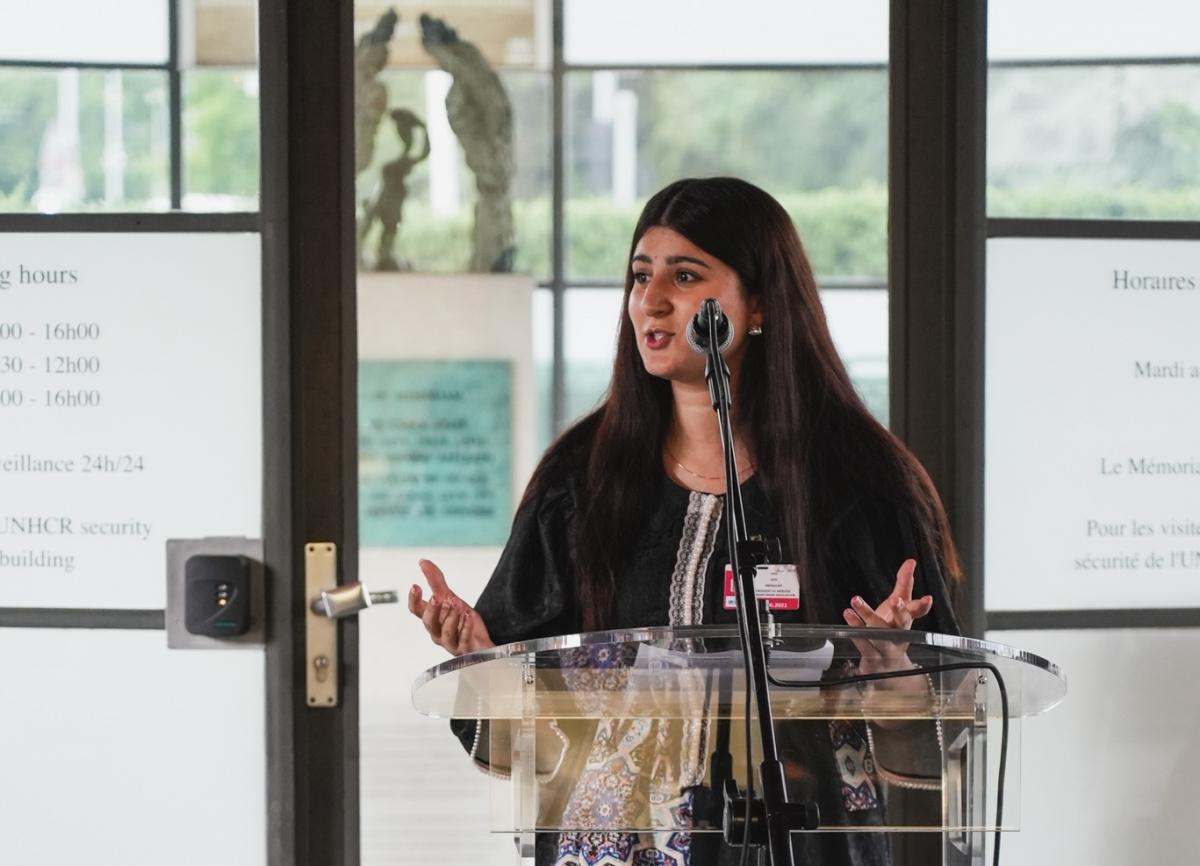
(777, 585)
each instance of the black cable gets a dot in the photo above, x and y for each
(934, 669)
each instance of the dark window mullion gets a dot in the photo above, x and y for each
(174, 105)
(1093, 61)
(89, 618)
(131, 222)
(85, 65)
(1111, 229)
(558, 387)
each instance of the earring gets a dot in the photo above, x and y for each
(754, 330)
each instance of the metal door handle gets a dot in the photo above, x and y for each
(349, 599)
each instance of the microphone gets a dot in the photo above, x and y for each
(697, 329)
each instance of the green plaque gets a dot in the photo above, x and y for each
(434, 446)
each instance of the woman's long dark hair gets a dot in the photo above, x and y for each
(816, 446)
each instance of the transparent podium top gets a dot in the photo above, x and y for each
(665, 672)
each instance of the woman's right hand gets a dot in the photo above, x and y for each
(451, 622)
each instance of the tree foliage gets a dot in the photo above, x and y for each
(816, 139)
(221, 144)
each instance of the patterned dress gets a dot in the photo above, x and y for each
(667, 754)
(641, 772)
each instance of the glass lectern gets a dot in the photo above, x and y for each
(642, 734)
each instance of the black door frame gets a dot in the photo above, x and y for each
(306, 57)
(936, 244)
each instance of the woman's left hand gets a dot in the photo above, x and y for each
(898, 610)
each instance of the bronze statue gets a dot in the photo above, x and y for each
(481, 116)
(370, 96)
(388, 206)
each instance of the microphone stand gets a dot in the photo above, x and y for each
(780, 816)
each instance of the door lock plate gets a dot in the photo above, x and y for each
(320, 632)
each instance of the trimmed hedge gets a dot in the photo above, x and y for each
(844, 230)
(1119, 202)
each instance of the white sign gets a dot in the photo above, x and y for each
(1093, 424)
(131, 409)
(1091, 29)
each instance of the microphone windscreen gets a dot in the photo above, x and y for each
(697, 335)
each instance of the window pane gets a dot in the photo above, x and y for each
(128, 749)
(1112, 733)
(98, 31)
(90, 140)
(220, 140)
(543, 363)
(858, 320)
(1095, 142)
(445, 819)
(438, 193)
(433, 450)
(592, 317)
(815, 140)
(714, 32)
(1098, 29)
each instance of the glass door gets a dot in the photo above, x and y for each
(489, 287)
(160, 298)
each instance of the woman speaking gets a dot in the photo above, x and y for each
(620, 525)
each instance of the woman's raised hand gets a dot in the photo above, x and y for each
(451, 622)
(898, 610)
